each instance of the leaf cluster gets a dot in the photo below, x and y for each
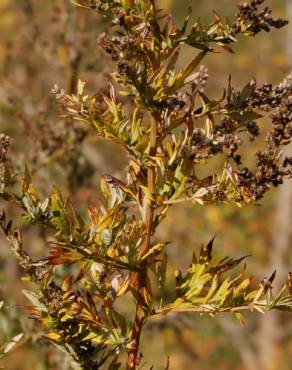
(160, 114)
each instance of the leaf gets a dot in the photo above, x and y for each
(67, 283)
(34, 299)
(153, 251)
(206, 252)
(54, 337)
(8, 347)
(147, 193)
(223, 292)
(63, 256)
(179, 181)
(59, 214)
(209, 248)
(290, 283)
(212, 290)
(26, 181)
(179, 80)
(80, 87)
(161, 269)
(239, 317)
(123, 288)
(228, 265)
(136, 127)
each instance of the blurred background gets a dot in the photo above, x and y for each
(49, 42)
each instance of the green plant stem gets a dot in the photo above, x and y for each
(142, 276)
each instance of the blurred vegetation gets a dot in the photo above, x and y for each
(48, 42)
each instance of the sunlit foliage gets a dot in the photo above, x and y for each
(170, 130)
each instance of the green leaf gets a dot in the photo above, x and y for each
(179, 80)
(59, 214)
